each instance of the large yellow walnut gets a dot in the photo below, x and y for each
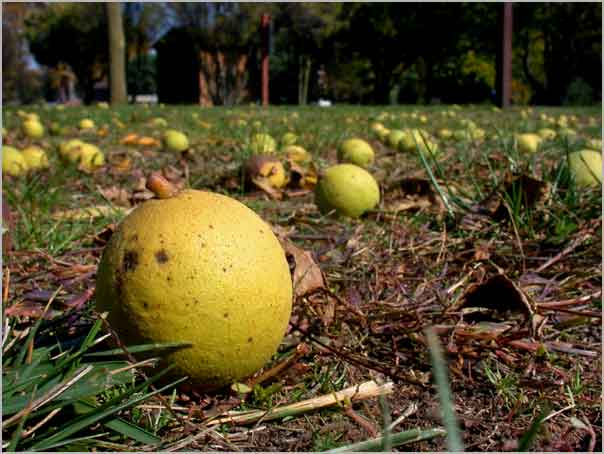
(13, 162)
(35, 157)
(175, 140)
(586, 166)
(86, 124)
(91, 157)
(528, 143)
(348, 189)
(71, 149)
(200, 268)
(417, 138)
(33, 129)
(357, 152)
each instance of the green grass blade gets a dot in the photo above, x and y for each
(529, 436)
(75, 440)
(125, 428)
(140, 349)
(440, 191)
(105, 410)
(397, 439)
(14, 442)
(454, 443)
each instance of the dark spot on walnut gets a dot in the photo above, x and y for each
(250, 339)
(226, 315)
(161, 256)
(130, 261)
(145, 305)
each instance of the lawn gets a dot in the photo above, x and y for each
(497, 250)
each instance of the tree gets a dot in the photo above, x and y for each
(558, 43)
(144, 23)
(301, 32)
(20, 82)
(117, 53)
(75, 34)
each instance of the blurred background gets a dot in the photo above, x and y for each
(362, 53)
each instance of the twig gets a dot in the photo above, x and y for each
(364, 423)
(355, 393)
(6, 284)
(567, 250)
(28, 432)
(412, 408)
(187, 441)
(301, 350)
(575, 301)
(556, 413)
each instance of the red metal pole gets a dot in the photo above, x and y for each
(506, 89)
(265, 30)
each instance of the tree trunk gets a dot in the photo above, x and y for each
(117, 53)
(303, 79)
(421, 67)
(383, 83)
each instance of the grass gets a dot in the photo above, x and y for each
(393, 274)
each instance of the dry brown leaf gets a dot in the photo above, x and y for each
(122, 166)
(119, 196)
(130, 139)
(412, 194)
(497, 298)
(302, 176)
(533, 193)
(148, 142)
(307, 276)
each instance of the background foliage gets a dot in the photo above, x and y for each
(354, 53)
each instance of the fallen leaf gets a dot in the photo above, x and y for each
(148, 142)
(130, 139)
(412, 194)
(307, 276)
(529, 191)
(497, 298)
(118, 196)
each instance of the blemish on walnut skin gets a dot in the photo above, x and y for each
(130, 261)
(161, 256)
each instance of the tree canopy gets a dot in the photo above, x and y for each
(358, 52)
